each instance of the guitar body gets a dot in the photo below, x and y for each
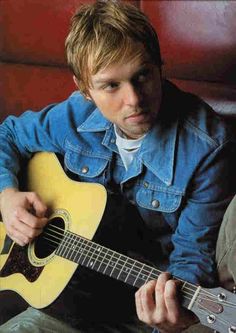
(41, 270)
(35, 272)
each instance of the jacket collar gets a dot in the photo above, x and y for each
(157, 151)
(95, 123)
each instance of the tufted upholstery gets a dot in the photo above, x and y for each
(198, 44)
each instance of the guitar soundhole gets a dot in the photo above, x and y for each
(50, 239)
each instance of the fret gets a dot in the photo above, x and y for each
(100, 266)
(154, 274)
(80, 251)
(193, 292)
(66, 251)
(110, 264)
(140, 276)
(115, 269)
(86, 254)
(195, 296)
(104, 260)
(106, 263)
(99, 259)
(126, 270)
(95, 255)
(122, 272)
(128, 277)
(61, 248)
(73, 247)
(122, 267)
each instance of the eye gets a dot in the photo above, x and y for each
(143, 76)
(111, 86)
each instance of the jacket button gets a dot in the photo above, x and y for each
(145, 184)
(85, 169)
(155, 203)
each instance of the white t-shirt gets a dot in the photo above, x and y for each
(127, 147)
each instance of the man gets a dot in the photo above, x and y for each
(159, 152)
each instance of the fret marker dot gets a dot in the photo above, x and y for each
(91, 263)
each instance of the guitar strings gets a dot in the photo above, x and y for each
(132, 271)
(108, 258)
(131, 259)
(76, 239)
(142, 271)
(152, 275)
(68, 246)
(203, 292)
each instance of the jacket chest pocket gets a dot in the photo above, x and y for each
(159, 201)
(88, 168)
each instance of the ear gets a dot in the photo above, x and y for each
(76, 81)
(77, 85)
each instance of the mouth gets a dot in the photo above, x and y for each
(137, 117)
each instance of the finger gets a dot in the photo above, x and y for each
(36, 202)
(145, 302)
(138, 304)
(171, 301)
(27, 230)
(26, 217)
(147, 296)
(160, 288)
(18, 237)
(161, 311)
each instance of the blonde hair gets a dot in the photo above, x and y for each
(103, 33)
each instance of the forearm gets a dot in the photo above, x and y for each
(11, 153)
(209, 194)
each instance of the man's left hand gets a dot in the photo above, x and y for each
(157, 305)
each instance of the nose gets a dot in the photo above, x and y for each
(132, 96)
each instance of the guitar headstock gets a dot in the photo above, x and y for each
(216, 308)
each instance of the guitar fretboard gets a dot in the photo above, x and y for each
(106, 261)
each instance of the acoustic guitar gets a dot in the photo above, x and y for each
(39, 271)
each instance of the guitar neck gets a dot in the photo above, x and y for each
(113, 264)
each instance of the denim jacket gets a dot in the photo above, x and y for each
(181, 179)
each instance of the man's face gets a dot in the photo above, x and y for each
(128, 94)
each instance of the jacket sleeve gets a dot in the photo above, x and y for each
(211, 189)
(45, 130)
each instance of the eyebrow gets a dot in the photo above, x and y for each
(112, 79)
(101, 81)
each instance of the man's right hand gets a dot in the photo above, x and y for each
(23, 214)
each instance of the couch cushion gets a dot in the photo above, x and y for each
(197, 38)
(221, 97)
(30, 86)
(34, 31)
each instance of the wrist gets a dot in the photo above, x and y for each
(6, 191)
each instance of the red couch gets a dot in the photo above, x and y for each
(198, 43)
(197, 38)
